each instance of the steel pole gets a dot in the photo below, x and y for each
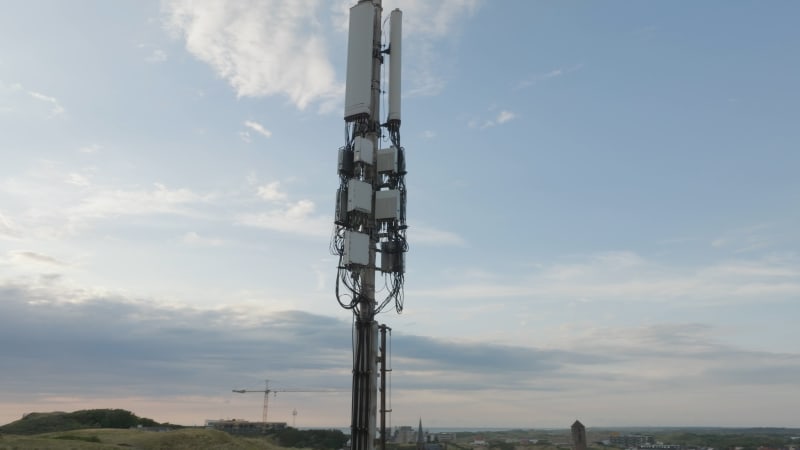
(365, 357)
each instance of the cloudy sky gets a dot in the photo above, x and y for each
(604, 206)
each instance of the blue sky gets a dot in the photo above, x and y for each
(603, 210)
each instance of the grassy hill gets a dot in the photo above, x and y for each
(118, 428)
(136, 439)
(36, 423)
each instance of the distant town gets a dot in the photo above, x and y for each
(104, 428)
(577, 437)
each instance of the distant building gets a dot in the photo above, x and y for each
(404, 435)
(578, 436)
(631, 440)
(445, 437)
(243, 426)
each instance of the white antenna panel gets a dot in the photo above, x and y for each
(363, 150)
(356, 249)
(395, 57)
(359, 196)
(387, 160)
(358, 90)
(387, 205)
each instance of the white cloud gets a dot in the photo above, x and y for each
(18, 257)
(55, 107)
(8, 229)
(628, 277)
(157, 56)
(194, 239)
(680, 366)
(91, 148)
(260, 47)
(48, 210)
(432, 236)
(505, 116)
(77, 179)
(258, 128)
(272, 192)
(502, 117)
(16, 92)
(746, 239)
(555, 73)
(424, 81)
(287, 216)
(118, 202)
(297, 217)
(278, 47)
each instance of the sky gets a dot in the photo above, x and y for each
(603, 210)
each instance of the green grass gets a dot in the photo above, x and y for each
(108, 438)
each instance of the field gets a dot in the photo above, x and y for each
(105, 438)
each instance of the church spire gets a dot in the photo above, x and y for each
(420, 437)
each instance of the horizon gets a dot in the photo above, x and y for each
(602, 208)
(454, 429)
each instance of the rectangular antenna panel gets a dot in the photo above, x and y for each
(358, 87)
(356, 249)
(345, 162)
(341, 206)
(395, 58)
(359, 196)
(363, 150)
(392, 259)
(387, 160)
(387, 205)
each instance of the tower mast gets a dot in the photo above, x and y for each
(370, 209)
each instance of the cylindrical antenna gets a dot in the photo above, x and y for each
(395, 57)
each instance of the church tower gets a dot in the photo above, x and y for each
(578, 436)
(420, 437)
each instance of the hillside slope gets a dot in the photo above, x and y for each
(37, 423)
(134, 439)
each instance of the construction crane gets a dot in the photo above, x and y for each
(267, 391)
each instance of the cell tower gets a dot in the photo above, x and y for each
(370, 204)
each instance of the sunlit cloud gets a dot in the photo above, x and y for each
(293, 217)
(272, 192)
(28, 256)
(55, 107)
(555, 73)
(260, 47)
(157, 56)
(505, 116)
(746, 239)
(91, 148)
(194, 239)
(421, 234)
(118, 202)
(8, 229)
(500, 118)
(628, 277)
(428, 134)
(77, 179)
(258, 128)
(18, 92)
(154, 348)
